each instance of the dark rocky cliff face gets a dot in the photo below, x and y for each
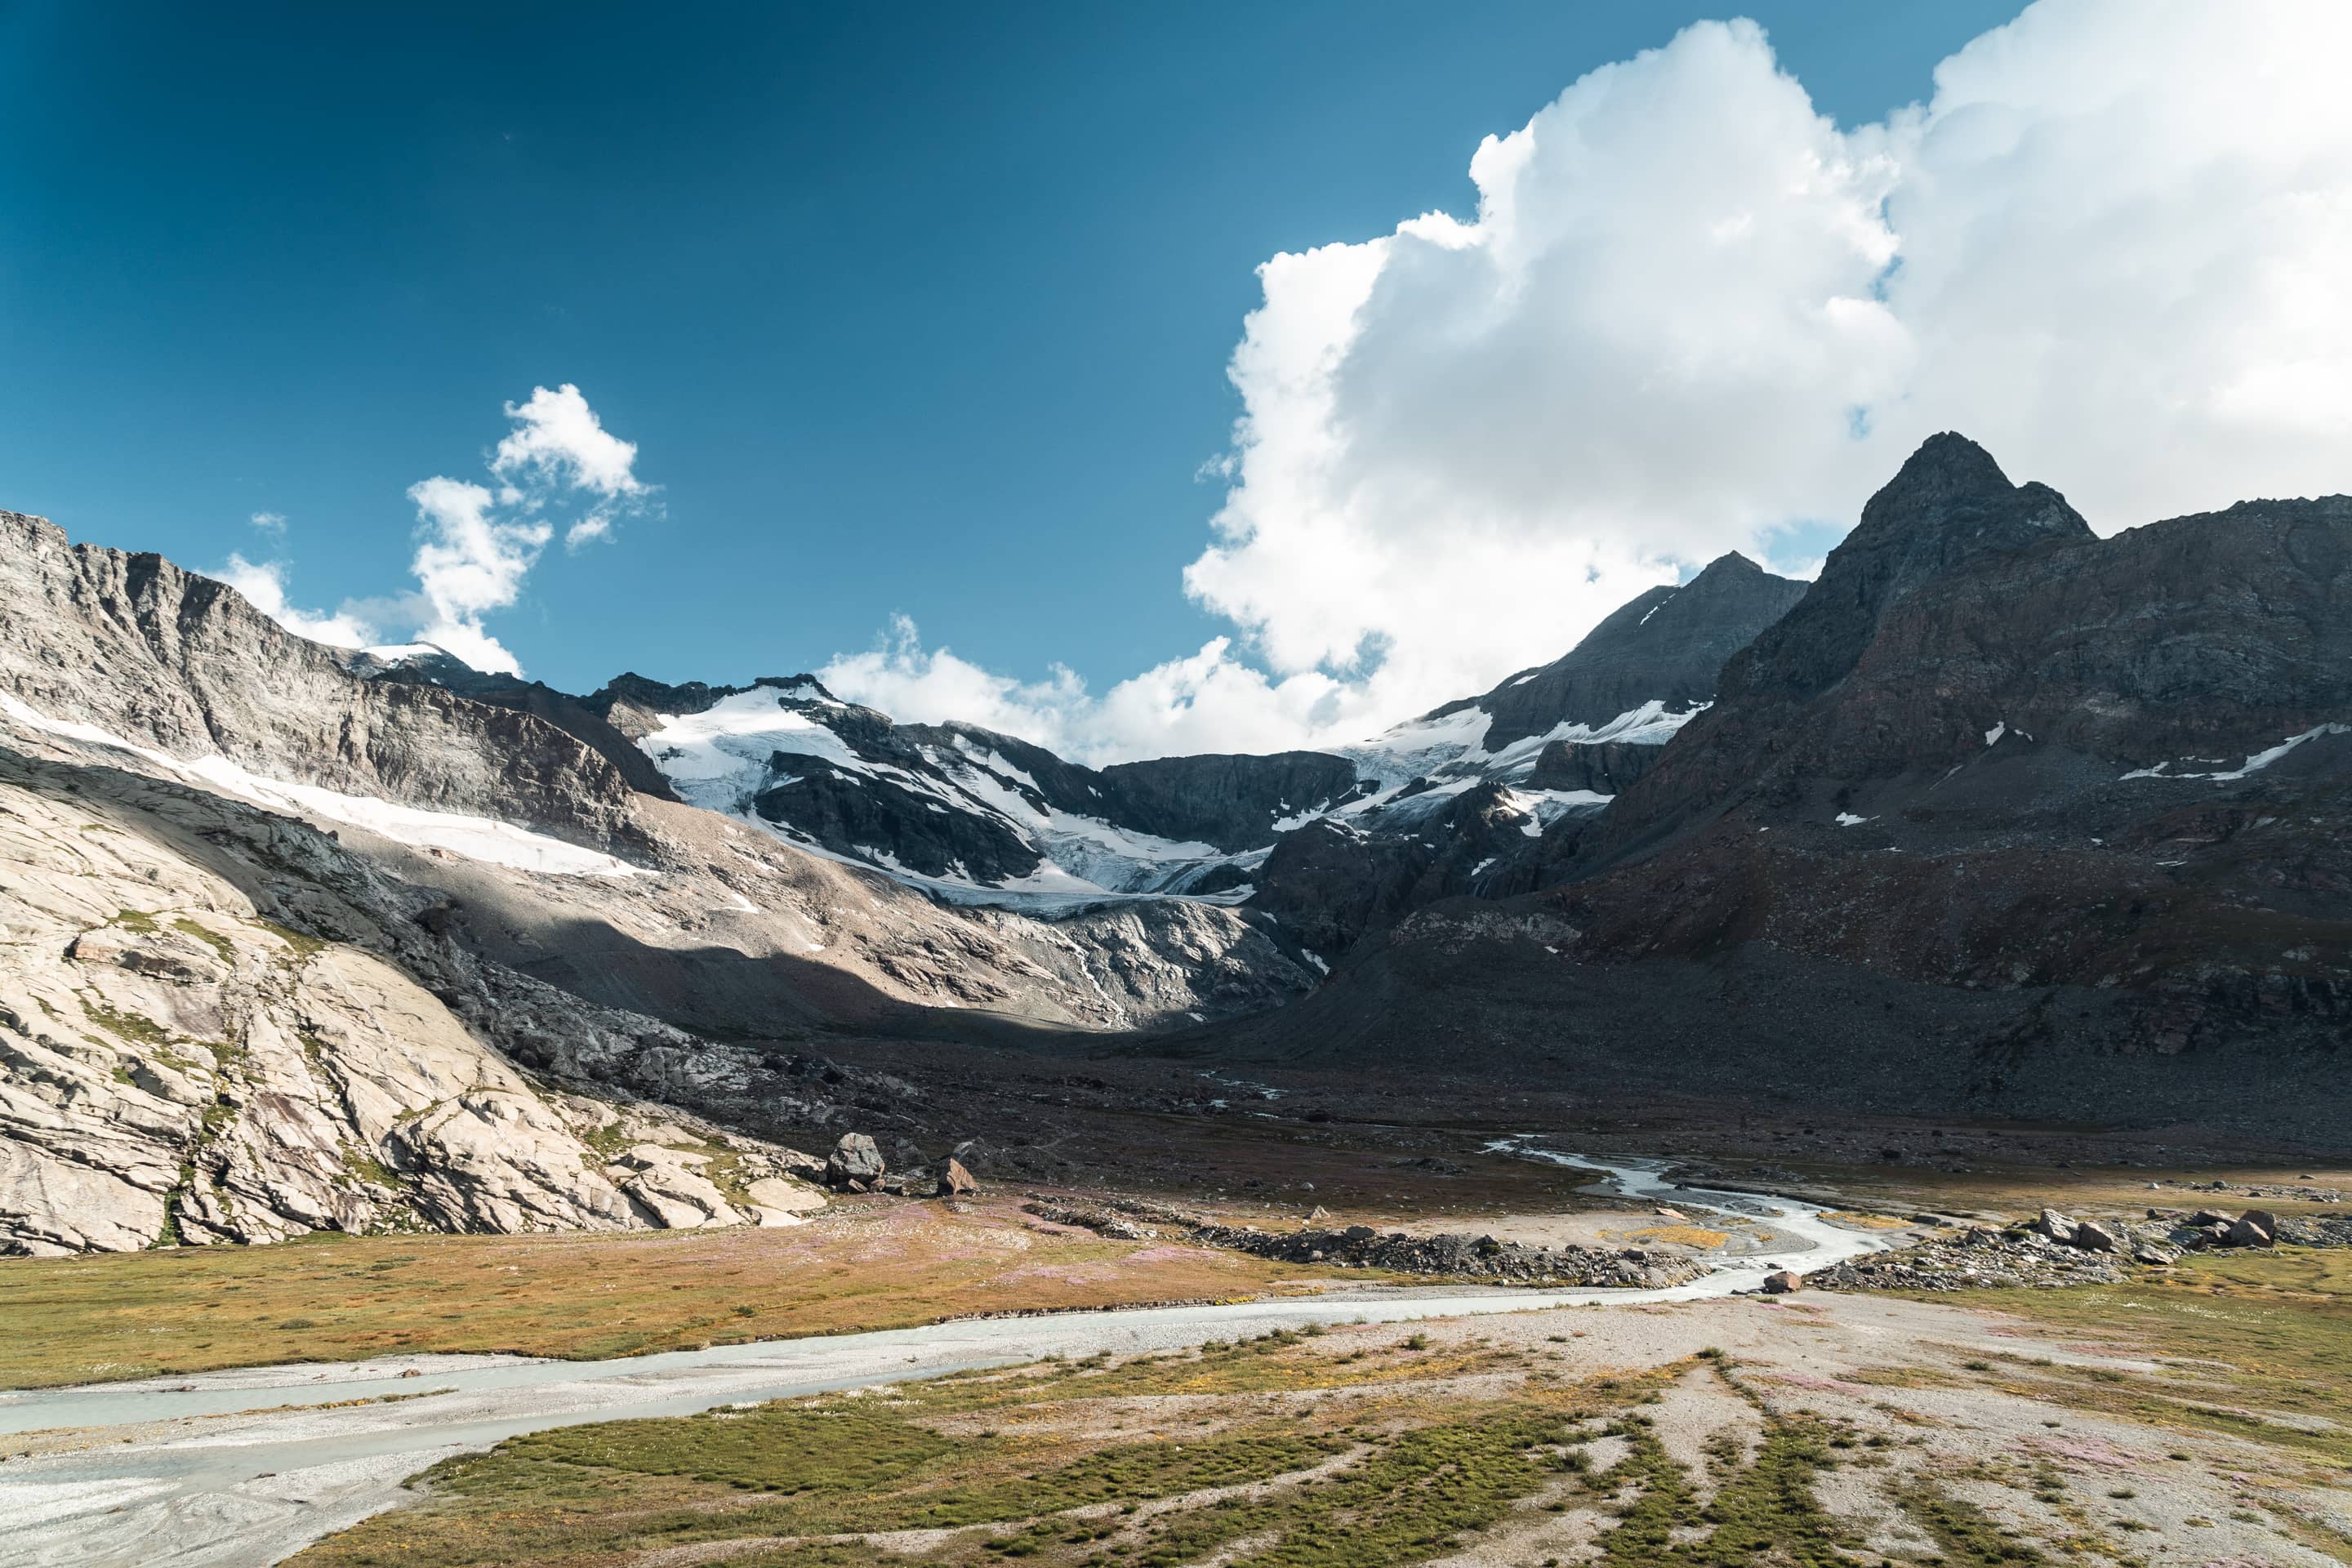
(1964, 605)
(1232, 802)
(1604, 767)
(1331, 884)
(166, 659)
(870, 819)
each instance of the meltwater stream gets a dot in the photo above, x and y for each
(291, 1460)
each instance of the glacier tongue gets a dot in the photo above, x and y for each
(746, 744)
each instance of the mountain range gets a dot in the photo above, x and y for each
(1995, 818)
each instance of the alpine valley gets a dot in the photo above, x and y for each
(1996, 819)
(1963, 937)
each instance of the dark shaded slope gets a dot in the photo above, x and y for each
(1667, 646)
(2001, 818)
(1965, 615)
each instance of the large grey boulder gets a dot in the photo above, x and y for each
(2054, 1227)
(855, 1165)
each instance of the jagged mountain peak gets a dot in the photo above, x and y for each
(423, 660)
(1948, 463)
(1730, 564)
(1949, 501)
(1950, 504)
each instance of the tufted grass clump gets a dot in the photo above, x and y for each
(1968, 1536)
(1013, 1465)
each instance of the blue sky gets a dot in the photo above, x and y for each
(1138, 380)
(919, 309)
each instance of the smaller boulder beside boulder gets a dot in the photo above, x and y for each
(2255, 1227)
(2092, 1236)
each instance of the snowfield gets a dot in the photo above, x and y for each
(725, 756)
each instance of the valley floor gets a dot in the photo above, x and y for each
(2079, 1427)
(861, 1264)
(1854, 1429)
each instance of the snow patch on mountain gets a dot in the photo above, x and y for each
(475, 837)
(718, 757)
(1453, 745)
(2253, 764)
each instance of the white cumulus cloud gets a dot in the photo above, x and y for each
(476, 544)
(558, 442)
(559, 445)
(1208, 702)
(471, 560)
(1687, 312)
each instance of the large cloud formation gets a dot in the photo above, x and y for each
(1689, 313)
(476, 544)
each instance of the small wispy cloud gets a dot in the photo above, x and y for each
(270, 522)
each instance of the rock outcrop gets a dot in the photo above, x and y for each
(1452, 1255)
(2053, 1250)
(175, 1065)
(1603, 767)
(575, 716)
